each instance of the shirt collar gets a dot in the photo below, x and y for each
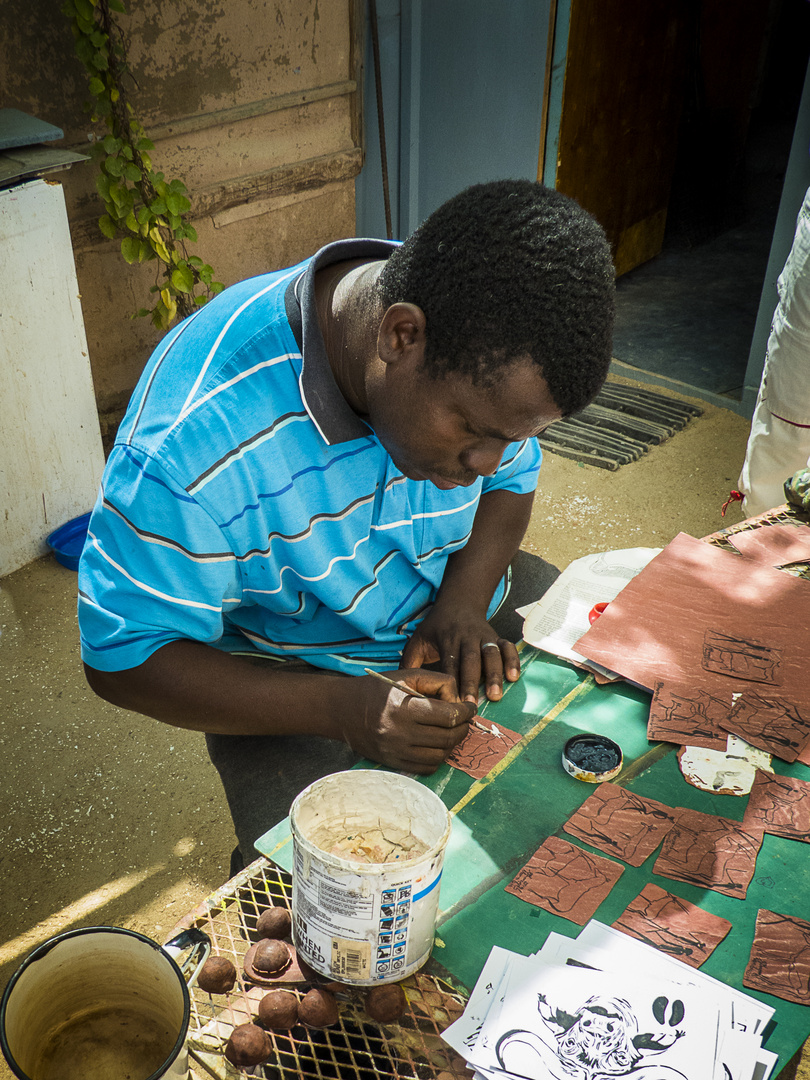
(331, 413)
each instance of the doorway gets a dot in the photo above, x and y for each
(670, 121)
(684, 161)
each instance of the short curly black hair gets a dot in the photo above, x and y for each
(508, 269)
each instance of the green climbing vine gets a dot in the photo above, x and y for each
(143, 208)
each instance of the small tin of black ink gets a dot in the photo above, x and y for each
(592, 758)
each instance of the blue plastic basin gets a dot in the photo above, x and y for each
(67, 541)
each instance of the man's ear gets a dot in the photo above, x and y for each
(402, 333)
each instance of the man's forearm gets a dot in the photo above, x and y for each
(472, 574)
(191, 685)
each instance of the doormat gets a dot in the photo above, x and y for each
(618, 427)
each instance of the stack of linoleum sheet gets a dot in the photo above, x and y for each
(721, 638)
(606, 1005)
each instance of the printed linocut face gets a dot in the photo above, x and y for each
(712, 852)
(673, 925)
(621, 823)
(780, 957)
(563, 1022)
(780, 805)
(479, 751)
(688, 715)
(565, 880)
(771, 723)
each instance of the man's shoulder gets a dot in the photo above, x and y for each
(217, 367)
(230, 321)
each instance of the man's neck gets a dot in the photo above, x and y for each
(348, 315)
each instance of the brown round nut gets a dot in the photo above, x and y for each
(278, 1009)
(270, 956)
(217, 975)
(386, 1003)
(275, 922)
(318, 1008)
(248, 1045)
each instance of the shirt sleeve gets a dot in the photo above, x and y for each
(518, 470)
(155, 567)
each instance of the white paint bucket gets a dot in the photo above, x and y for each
(368, 852)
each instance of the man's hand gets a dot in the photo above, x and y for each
(410, 733)
(465, 646)
(455, 633)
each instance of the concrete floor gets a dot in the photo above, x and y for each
(690, 312)
(109, 817)
(660, 303)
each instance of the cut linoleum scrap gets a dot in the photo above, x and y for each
(654, 630)
(710, 852)
(780, 805)
(479, 751)
(693, 717)
(776, 545)
(770, 722)
(618, 427)
(673, 925)
(621, 823)
(779, 963)
(565, 880)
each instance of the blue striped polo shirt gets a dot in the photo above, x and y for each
(245, 505)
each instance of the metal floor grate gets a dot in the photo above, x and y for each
(619, 427)
(356, 1048)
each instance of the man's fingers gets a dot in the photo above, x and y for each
(511, 659)
(471, 672)
(444, 717)
(492, 664)
(418, 652)
(499, 660)
(433, 684)
(425, 759)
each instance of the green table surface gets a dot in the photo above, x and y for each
(500, 821)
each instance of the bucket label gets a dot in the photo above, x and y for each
(341, 902)
(328, 912)
(392, 939)
(351, 959)
(329, 902)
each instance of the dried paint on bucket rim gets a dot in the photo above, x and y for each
(368, 849)
(592, 758)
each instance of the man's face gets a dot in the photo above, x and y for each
(450, 431)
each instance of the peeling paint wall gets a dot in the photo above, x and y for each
(254, 104)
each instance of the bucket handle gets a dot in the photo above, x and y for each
(199, 945)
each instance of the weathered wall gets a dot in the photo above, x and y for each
(252, 103)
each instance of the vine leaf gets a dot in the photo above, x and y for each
(144, 210)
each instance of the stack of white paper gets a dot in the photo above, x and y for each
(603, 1006)
(560, 617)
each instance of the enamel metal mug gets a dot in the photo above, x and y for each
(102, 1003)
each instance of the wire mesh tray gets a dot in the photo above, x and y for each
(356, 1048)
(780, 515)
